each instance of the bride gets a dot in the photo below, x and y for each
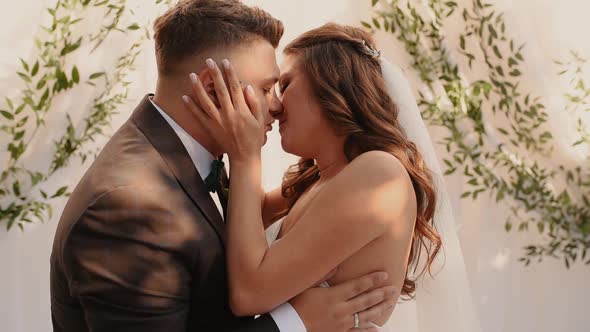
(362, 198)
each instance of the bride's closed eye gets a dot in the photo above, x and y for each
(282, 87)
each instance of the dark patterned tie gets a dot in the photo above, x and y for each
(217, 181)
(222, 190)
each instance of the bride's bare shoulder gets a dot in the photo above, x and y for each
(377, 165)
(369, 184)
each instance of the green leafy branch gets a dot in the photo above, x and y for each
(493, 159)
(22, 200)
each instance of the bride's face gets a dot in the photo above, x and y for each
(301, 123)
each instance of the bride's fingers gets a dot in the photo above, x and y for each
(203, 98)
(220, 87)
(235, 89)
(254, 104)
(198, 113)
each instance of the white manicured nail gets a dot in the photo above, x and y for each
(186, 99)
(210, 63)
(194, 78)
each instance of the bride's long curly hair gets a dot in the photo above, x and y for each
(350, 89)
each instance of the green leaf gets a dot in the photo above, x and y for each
(41, 84)
(69, 48)
(450, 171)
(515, 72)
(43, 99)
(96, 75)
(16, 188)
(35, 69)
(376, 23)
(22, 122)
(134, 26)
(508, 226)
(512, 62)
(493, 32)
(546, 135)
(62, 80)
(25, 77)
(25, 65)
(497, 52)
(60, 192)
(20, 109)
(500, 195)
(374, 2)
(7, 115)
(448, 163)
(75, 75)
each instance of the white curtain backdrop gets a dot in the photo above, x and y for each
(507, 296)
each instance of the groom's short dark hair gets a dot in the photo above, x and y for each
(194, 26)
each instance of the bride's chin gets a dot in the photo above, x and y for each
(285, 146)
(284, 143)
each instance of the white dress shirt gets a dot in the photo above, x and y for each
(285, 316)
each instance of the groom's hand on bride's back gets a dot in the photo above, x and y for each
(333, 309)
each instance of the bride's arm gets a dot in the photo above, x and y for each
(353, 210)
(273, 203)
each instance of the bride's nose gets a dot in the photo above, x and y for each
(276, 107)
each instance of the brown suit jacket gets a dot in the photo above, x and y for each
(140, 245)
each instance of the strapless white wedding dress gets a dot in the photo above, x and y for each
(271, 237)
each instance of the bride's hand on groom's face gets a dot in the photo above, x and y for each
(238, 124)
(333, 309)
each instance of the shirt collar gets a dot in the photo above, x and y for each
(201, 158)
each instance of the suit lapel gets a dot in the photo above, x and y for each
(164, 139)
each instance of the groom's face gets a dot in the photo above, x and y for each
(255, 63)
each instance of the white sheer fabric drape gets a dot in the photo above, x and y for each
(509, 297)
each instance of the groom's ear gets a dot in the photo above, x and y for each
(207, 80)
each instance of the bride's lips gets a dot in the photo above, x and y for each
(281, 124)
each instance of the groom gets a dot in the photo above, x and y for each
(140, 245)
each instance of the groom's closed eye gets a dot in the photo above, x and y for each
(267, 90)
(267, 85)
